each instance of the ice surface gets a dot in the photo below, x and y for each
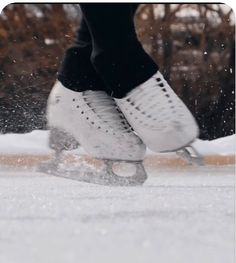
(180, 215)
(177, 216)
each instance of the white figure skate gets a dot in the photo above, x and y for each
(92, 119)
(160, 118)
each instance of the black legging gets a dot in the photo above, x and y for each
(107, 54)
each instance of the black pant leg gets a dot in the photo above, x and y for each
(134, 7)
(76, 71)
(117, 55)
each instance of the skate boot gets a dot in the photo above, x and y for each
(93, 120)
(159, 116)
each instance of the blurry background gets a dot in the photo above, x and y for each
(194, 45)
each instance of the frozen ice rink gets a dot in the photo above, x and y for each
(179, 216)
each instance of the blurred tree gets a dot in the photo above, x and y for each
(194, 45)
(32, 41)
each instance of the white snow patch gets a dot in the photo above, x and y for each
(221, 146)
(36, 142)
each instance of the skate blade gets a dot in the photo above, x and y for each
(84, 172)
(191, 155)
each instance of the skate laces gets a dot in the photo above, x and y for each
(147, 95)
(106, 110)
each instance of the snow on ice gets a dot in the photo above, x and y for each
(36, 142)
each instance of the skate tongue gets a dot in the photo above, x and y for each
(106, 109)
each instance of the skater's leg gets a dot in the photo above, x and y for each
(133, 8)
(117, 55)
(79, 107)
(76, 71)
(80, 112)
(151, 107)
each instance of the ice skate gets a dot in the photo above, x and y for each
(159, 116)
(92, 119)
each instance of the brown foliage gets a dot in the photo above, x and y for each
(31, 47)
(196, 54)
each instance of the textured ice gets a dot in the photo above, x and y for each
(177, 216)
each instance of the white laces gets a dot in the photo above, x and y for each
(144, 99)
(106, 110)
